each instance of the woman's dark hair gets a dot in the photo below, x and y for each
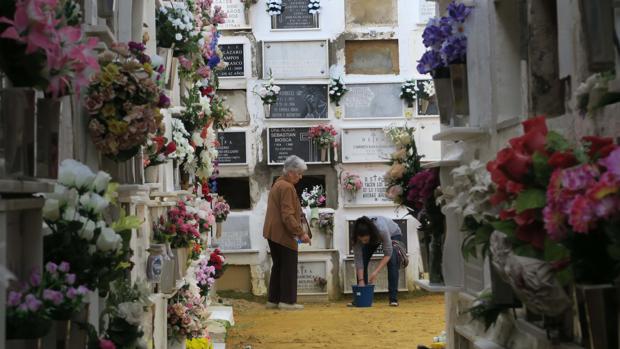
(365, 226)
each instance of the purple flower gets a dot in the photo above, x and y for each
(612, 162)
(51, 267)
(579, 178)
(164, 101)
(14, 299)
(607, 207)
(32, 303)
(35, 278)
(63, 267)
(70, 279)
(435, 33)
(454, 49)
(82, 290)
(72, 293)
(430, 61)
(458, 11)
(53, 296)
(136, 46)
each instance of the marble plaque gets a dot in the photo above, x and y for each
(373, 190)
(350, 277)
(300, 102)
(236, 14)
(372, 12)
(233, 55)
(295, 16)
(366, 145)
(286, 141)
(232, 149)
(235, 234)
(237, 101)
(372, 57)
(426, 11)
(308, 274)
(296, 59)
(371, 101)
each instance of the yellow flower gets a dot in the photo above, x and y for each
(148, 68)
(198, 343)
(108, 110)
(109, 74)
(117, 127)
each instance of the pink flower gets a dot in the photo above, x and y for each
(51, 267)
(106, 344)
(53, 296)
(612, 162)
(555, 223)
(580, 177)
(14, 299)
(64, 267)
(581, 216)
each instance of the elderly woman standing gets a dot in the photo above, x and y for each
(283, 227)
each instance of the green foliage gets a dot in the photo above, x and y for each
(529, 199)
(485, 310)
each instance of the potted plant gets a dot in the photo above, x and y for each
(37, 53)
(324, 136)
(351, 183)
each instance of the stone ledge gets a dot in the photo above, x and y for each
(460, 133)
(426, 285)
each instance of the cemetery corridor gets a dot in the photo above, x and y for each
(332, 325)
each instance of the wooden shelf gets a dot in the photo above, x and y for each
(460, 134)
(442, 163)
(426, 285)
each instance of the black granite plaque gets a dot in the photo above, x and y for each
(296, 16)
(232, 149)
(287, 141)
(233, 55)
(300, 102)
(402, 223)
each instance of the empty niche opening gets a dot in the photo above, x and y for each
(236, 191)
(372, 57)
(308, 182)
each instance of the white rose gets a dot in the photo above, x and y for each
(94, 202)
(70, 214)
(108, 240)
(66, 174)
(178, 37)
(88, 230)
(276, 89)
(92, 249)
(51, 210)
(131, 312)
(100, 184)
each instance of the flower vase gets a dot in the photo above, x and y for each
(47, 130)
(105, 8)
(30, 328)
(218, 230)
(167, 282)
(267, 110)
(458, 78)
(176, 343)
(445, 96)
(324, 154)
(598, 315)
(181, 256)
(17, 136)
(155, 263)
(314, 216)
(151, 174)
(166, 54)
(274, 22)
(338, 112)
(423, 106)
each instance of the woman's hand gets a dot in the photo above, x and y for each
(373, 277)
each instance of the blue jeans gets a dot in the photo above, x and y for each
(392, 268)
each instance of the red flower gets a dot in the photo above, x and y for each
(599, 147)
(498, 197)
(507, 214)
(562, 159)
(537, 124)
(530, 142)
(160, 141)
(513, 164)
(170, 148)
(526, 217)
(533, 233)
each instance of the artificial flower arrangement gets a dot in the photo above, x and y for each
(404, 163)
(52, 295)
(202, 275)
(124, 314)
(313, 198)
(314, 7)
(594, 93)
(179, 226)
(274, 7)
(408, 92)
(445, 41)
(351, 183)
(176, 28)
(158, 150)
(42, 45)
(205, 143)
(221, 115)
(324, 136)
(184, 151)
(269, 91)
(337, 90)
(320, 282)
(187, 316)
(326, 223)
(469, 196)
(217, 261)
(425, 94)
(221, 210)
(80, 235)
(199, 343)
(123, 102)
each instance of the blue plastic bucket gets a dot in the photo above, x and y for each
(362, 295)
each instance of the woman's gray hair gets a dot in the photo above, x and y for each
(294, 164)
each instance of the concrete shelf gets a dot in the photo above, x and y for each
(102, 32)
(476, 341)
(442, 163)
(426, 285)
(460, 134)
(15, 186)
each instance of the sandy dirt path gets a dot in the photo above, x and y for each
(333, 325)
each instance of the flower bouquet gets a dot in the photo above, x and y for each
(158, 150)
(326, 226)
(203, 276)
(221, 115)
(42, 45)
(74, 212)
(217, 261)
(179, 226)
(314, 7)
(61, 295)
(312, 200)
(425, 90)
(404, 163)
(351, 183)
(123, 102)
(176, 28)
(324, 136)
(408, 92)
(337, 90)
(268, 93)
(275, 7)
(221, 210)
(187, 316)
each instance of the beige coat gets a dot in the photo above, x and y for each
(283, 217)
